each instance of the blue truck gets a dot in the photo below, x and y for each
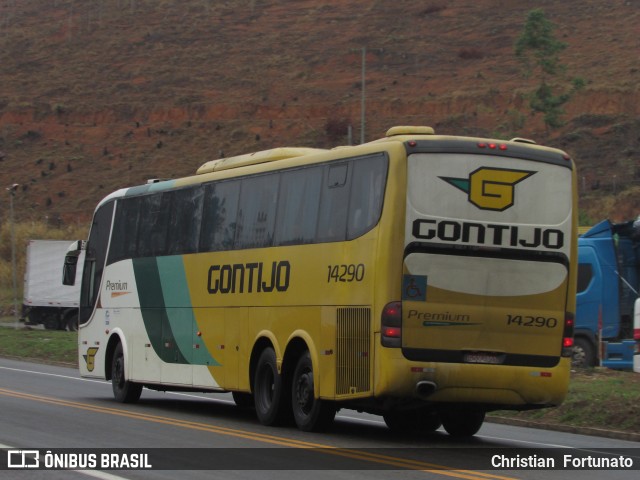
(608, 286)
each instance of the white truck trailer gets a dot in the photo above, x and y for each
(46, 300)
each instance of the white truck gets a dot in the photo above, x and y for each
(46, 300)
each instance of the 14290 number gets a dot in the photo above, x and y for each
(345, 273)
(530, 321)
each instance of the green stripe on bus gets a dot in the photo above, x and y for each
(154, 312)
(177, 300)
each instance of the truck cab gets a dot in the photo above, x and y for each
(607, 291)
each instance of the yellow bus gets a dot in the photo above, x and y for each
(425, 278)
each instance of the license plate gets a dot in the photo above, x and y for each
(482, 357)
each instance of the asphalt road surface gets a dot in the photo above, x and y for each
(51, 409)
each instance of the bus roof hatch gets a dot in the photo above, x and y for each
(409, 130)
(256, 158)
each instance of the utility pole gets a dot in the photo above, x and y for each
(362, 106)
(12, 192)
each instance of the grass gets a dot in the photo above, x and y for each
(598, 398)
(46, 346)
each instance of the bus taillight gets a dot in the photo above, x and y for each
(567, 335)
(391, 327)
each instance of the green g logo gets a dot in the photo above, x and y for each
(490, 188)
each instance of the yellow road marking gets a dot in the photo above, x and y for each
(261, 437)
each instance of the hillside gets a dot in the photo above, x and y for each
(103, 94)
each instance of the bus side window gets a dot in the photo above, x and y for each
(125, 230)
(153, 225)
(298, 205)
(334, 204)
(185, 220)
(219, 218)
(367, 192)
(257, 211)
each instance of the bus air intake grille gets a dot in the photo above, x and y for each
(353, 360)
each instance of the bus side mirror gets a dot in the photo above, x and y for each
(71, 262)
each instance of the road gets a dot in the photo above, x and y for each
(50, 407)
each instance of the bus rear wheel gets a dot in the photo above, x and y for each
(270, 400)
(462, 423)
(311, 414)
(124, 391)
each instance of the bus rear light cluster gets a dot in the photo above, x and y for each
(391, 325)
(567, 335)
(492, 146)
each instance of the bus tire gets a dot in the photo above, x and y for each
(124, 391)
(268, 390)
(310, 414)
(462, 423)
(583, 354)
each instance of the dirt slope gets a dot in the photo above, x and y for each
(103, 94)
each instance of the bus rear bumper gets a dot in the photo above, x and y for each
(502, 386)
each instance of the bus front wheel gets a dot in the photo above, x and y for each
(268, 390)
(462, 423)
(310, 413)
(123, 390)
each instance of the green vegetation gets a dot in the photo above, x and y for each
(47, 346)
(598, 398)
(539, 51)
